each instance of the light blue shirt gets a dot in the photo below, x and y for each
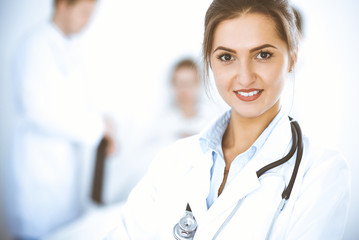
(211, 140)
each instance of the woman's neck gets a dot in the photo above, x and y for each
(242, 132)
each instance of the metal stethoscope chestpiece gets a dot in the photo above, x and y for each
(186, 227)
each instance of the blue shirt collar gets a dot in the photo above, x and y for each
(211, 137)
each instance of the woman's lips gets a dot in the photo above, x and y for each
(248, 95)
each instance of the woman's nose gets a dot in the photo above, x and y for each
(245, 73)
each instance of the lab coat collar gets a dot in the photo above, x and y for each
(58, 37)
(56, 33)
(56, 30)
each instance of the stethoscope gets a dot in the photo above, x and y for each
(187, 226)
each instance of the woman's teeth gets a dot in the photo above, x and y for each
(247, 94)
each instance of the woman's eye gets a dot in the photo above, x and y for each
(225, 57)
(264, 55)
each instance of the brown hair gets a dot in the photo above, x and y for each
(184, 63)
(279, 10)
(298, 20)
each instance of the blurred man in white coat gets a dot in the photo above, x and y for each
(54, 122)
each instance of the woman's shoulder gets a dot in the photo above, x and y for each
(324, 161)
(322, 153)
(174, 161)
(183, 149)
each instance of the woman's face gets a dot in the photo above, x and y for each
(250, 63)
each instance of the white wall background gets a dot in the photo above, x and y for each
(132, 44)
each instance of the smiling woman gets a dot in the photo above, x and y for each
(228, 180)
(250, 67)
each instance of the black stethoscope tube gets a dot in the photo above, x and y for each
(279, 162)
(286, 193)
(297, 145)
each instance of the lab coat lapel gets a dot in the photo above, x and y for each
(244, 183)
(199, 179)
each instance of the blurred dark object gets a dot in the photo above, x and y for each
(98, 177)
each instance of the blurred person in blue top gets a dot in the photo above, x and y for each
(251, 174)
(55, 122)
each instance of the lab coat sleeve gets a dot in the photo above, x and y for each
(139, 214)
(47, 100)
(143, 214)
(119, 233)
(321, 208)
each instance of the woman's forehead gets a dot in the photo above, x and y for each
(247, 31)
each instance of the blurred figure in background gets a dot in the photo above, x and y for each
(186, 115)
(54, 125)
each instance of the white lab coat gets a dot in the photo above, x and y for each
(180, 174)
(53, 122)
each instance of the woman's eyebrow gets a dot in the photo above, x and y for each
(225, 49)
(251, 50)
(261, 47)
